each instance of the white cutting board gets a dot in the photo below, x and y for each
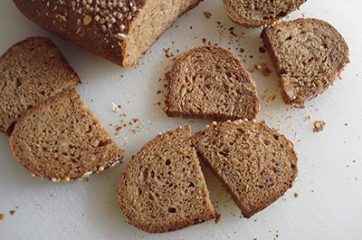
(329, 186)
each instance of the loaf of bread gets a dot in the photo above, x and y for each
(61, 140)
(162, 187)
(210, 82)
(309, 55)
(118, 30)
(256, 13)
(31, 71)
(255, 162)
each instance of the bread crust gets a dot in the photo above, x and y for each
(82, 29)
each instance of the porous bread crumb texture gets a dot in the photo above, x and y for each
(118, 30)
(257, 13)
(162, 188)
(31, 71)
(62, 140)
(255, 162)
(210, 82)
(309, 55)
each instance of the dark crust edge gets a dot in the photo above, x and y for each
(246, 212)
(218, 117)
(43, 105)
(149, 228)
(270, 49)
(48, 41)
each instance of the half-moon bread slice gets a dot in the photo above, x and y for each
(31, 71)
(162, 187)
(61, 140)
(256, 13)
(210, 82)
(309, 55)
(255, 162)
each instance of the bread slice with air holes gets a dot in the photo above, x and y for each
(252, 14)
(118, 30)
(31, 71)
(61, 140)
(255, 162)
(309, 55)
(210, 82)
(162, 187)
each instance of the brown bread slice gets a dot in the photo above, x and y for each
(61, 140)
(31, 71)
(118, 30)
(162, 188)
(256, 13)
(309, 55)
(210, 82)
(256, 163)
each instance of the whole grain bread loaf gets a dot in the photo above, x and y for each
(162, 187)
(118, 30)
(61, 140)
(31, 71)
(255, 162)
(256, 13)
(309, 55)
(210, 82)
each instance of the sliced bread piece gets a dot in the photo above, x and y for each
(309, 55)
(255, 162)
(256, 13)
(118, 30)
(31, 71)
(61, 140)
(210, 82)
(162, 188)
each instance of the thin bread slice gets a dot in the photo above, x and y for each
(61, 140)
(255, 162)
(31, 71)
(162, 188)
(309, 55)
(210, 82)
(256, 13)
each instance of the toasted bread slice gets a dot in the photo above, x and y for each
(210, 82)
(256, 163)
(31, 71)
(61, 140)
(309, 55)
(251, 13)
(162, 188)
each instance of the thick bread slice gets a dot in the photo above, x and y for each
(309, 55)
(162, 188)
(210, 82)
(31, 71)
(256, 13)
(256, 163)
(62, 140)
(118, 30)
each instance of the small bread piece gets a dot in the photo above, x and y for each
(256, 13)
(309, 55)
(31, 71)
(210, 82)
(118, 30)
(162, 188)
(256, 163)
(61, 140)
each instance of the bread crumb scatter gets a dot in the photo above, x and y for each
(12, 212)
(115, 107)
(262, 68)
(1, 216)
(318, 126)
(296, 195)
(308, 117)
(207, 14)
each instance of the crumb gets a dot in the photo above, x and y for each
(241, 50)
(262, 68)
(204, 40)
(262, 50)
(318, 126)
(168, 52)
(115, 108)
(308, 117)
(12, 212)
(159, 92)
(296, 195)
(1, 216)
(217, 217)
(207, 14)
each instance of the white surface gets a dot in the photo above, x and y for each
(330, 163)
